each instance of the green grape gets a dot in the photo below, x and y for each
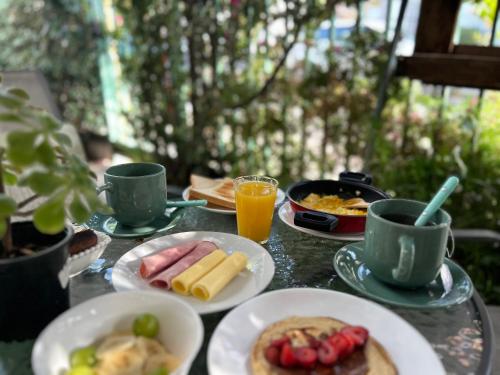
(159, 371)
(81, 370)
(83, 357)
(146, 325)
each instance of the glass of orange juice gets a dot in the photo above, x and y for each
(255, 198)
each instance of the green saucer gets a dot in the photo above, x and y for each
(348, 263)
(107, 224)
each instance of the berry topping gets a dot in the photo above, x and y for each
(273, 355)
(320, 350)
(314, 342)
(287, 357)
(327, 354)
(357, 333)
(341, 344)
(280, 342)
(351, 344)
(306, 357)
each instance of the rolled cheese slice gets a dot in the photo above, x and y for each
(212, 283)
(182, 283)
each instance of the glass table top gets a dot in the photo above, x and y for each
(301, 260)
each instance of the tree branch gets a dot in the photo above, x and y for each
(274, 74)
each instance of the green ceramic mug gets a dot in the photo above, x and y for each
(137, 193)
(399, 253)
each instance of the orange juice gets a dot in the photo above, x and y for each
(254, 208)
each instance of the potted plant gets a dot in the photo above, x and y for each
(33, 254)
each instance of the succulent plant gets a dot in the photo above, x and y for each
(37, 154)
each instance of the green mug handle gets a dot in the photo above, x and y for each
(106, 186)
(406, 259)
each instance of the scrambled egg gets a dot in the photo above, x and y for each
(331, 204)
(126, 354)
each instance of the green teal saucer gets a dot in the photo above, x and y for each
(348, 263)
(107, 224)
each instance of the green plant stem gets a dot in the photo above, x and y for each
(7, 237)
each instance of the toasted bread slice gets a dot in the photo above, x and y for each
(219, 192)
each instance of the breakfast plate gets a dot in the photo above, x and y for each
(230, 348)
(280, 197)
(348, 263)
(248, 283)
(287, 215)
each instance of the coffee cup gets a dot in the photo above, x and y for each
(399, 253)
(137, 193)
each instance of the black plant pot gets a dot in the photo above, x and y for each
(33, 289)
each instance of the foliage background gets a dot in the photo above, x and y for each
(216, 91)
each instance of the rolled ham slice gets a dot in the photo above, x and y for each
(157, 262)
(164, 279)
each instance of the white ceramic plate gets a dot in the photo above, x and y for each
(250, 282)
(286, 215)
(81, 261)
(231, 344)
(280, 197)
(181, 329)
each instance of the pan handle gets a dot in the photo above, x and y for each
(358, 177)
(316, 220)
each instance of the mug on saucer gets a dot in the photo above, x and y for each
(399, 253)
(137, 193)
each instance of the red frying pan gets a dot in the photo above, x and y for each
(350, 185)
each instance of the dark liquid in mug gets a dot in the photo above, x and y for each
(404, 219)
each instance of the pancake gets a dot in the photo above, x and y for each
(371, 359)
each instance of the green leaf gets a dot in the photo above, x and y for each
(3, 227)
(95, 204)
(45, 154)
(49, 217)
(20, 147)
(78, 210)
(63, 139)
(7, 206)
(49, 122)
(20, 93)
(9, 178)
(10, 101)
(44, 183)
(11, 117)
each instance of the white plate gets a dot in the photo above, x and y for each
(286, 215)
(231, 344)
(181, 329)
(81, 261)
(280, 197)
(250, 282)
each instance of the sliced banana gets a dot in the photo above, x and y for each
(115, 343)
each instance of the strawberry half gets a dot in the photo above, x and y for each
(341, 344)
(351, 344)
(357, 333)
(287, 357)
(314, 342)
(327, 354)
(272, 355)
(306, 356)
(278, 343)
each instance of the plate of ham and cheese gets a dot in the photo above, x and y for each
(211, 271)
